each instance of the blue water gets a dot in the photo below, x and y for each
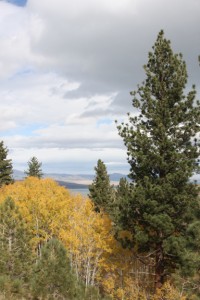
(83, 192)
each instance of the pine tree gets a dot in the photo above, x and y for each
(6, 169)
(101, 190)
(15, 247)
(123, 189)
(34, 168)
(52, 277)
(119, 206)
(162, 151)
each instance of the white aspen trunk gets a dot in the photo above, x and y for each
(88, 271)
(95, 268)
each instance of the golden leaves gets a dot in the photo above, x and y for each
(49, 210)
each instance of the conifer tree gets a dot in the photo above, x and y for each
(15, 249)
(121, 201)
(162, 151)
(52, 277)
(34, 168)
(6, 169)
(101, 191)
(123, 188)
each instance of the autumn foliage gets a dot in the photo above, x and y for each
(97, 259)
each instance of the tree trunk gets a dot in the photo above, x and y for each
(159, 267)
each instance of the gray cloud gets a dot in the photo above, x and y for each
(84, 58)
(105, 51)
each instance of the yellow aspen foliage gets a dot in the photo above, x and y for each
(96, 257)
(120, 278)
(41, 203)
(50, 210)
(168, 292)
(88, 237)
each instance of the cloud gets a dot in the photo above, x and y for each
(67, 66)
(38, 98)
(103, 44)
(71, 161)
(17, 29)
(87, 39)
(69, 137)
(46, 118)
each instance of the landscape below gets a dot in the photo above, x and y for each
(71, 181)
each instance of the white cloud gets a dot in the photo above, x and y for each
(71, 160)
(15, 40)
(66, 69)
(29, 98)
(81, 135)
(51, 119)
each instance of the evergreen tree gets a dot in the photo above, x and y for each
(162, 152)
(123, 189)
(6, 169)
(15, 249)
(119, 206)
(101, 191)
(52, 277)
(34, 168)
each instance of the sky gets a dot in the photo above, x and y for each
(67, 69)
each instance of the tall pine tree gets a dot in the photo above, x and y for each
(162, 152)
(101, 191)
(6, 169)
(34, 168)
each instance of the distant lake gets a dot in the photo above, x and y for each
(83, 192)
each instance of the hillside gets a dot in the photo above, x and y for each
(72, 181)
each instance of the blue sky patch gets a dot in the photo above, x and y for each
(24, 130)
(104, 121)
(18, 2)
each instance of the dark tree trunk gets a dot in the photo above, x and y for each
(159, 268)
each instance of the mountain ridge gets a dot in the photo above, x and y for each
(72, 181)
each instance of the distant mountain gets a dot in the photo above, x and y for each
(117, 176)
(18, 175)
(70, 180)
(72, 186)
